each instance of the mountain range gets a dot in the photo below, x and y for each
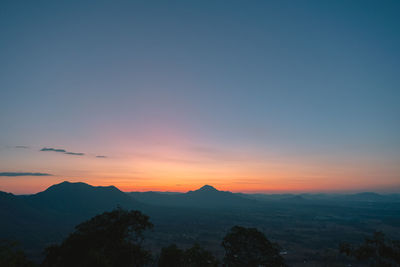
(204, 197)
(41, 219)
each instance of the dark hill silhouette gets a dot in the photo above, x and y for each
(14, 210)
(81, 198)
(294, 199)
(208, 197)
(204, 197)
(206, 188)
(366, 196)
(47, 217)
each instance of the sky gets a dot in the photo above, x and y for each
(248, 96)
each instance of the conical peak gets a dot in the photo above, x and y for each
(207, 188)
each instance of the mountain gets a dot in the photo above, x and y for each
(16, 210)
(206, 189)
(366, 196)
(81, 198)
(204, 197)
(47, 217)
(363, 197)
(201, 215)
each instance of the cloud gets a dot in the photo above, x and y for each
(59, 150)
(74, 153)
(53, 149)
(14, 174)
(22, 147)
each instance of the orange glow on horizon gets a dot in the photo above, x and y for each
(181, 167)
(281, 184)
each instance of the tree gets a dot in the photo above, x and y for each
(12, 256)
(171, 256)
(375, 251)
(109, 239)
(195, 256)
(249, 247)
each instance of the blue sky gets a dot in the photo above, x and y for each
(305, 83)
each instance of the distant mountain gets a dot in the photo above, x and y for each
(204, 197)
(209, 196)
(370, 197)
(295, 199)
(365, 197)
(157, 198)
(205, 189)
(268, 197)
(47, 217)
(14, 211)
(81, 198)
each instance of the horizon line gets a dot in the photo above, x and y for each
(265, 192)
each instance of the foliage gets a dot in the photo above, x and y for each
(376, 251)
(171, 256)
(109, 239)
(249, 247)
(195, 256)
(11, 256)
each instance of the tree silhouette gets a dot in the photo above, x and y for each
(109, 239)
(249, 247)
(12, 256)
(171, 256)
(375, 251)
(195, 256)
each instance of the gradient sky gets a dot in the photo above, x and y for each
(250, 96)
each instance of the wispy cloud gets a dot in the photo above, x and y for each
(74, 153)
(14, 174)
(63, 151)
(22, 147)
(53, 149)
(60, 150)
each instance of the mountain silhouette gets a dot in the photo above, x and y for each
(206, 188)
(81, 198)
(16, 210)
(47, 217)
(205, 197)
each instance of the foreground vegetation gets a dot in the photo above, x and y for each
(309, 228)
(116, 239)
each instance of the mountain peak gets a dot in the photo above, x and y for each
(82, 197)
(69, 189)
(66, 185)
(207, 188)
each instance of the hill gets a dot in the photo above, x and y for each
(81, 198)
(302, 223)
(47, 217)
(204, 197)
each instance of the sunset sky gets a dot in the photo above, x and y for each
(248, 96)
